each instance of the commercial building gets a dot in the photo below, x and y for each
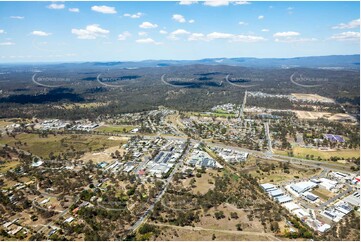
(302, 187)
(343, 207)
(268, 187)
(290, 206)
(283, 199)
(310, 196)
(327, 183)
(276, 193)
(353, 199)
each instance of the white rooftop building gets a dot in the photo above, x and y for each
(302, 187)
(268, 187)
(327, 183)
(290, 206)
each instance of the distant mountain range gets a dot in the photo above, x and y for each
(324, 62)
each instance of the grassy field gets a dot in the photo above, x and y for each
(43, 146)
(116, 128)
(278, 175)
(8, 165)
(4, 123)
(202, 184)
(323, 193)
(302, 152)
(192, 234)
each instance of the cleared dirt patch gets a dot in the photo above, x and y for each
(317, 115)
(105, 155)
(312, 97)
(323, 193)
(209, 220)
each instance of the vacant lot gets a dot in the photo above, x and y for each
(8, 165)
(302, 152)
(316, 115)
(195, 233)
(264, 172)
(4, 123)
(115, 128)
(312, 97)
(100, 156)
(59, 143)
(209, 221)
(202, 184)
(323, 193)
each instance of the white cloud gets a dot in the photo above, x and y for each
(226, 36)
(124, 35)
(147, 41)
(56, 6)
(286, 34)
(2, 31)
(350, 25)
(197, 36)
(174, 35)
(260, 17)
(191, 21)
(218, 35)
(346, 36)
(40, 33)
(180, 31)
(74, 10)
(142, 33)
(90, 32)
(242, 23)
(104, 9)
(265, 30)
(179, 18)
(135, 15)
(7, 43)
(291, 37)
(247, 38)
(17, 17)
(148, 25)
(163, 32)
(241, 3)
(186, 2)
(216, 3)
(293, 40)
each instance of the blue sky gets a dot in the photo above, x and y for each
(112, 31)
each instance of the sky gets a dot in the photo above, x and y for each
(185, 30)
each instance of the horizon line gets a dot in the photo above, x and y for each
(144, 60)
